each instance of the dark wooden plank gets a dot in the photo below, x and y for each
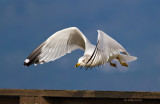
(53, 100)
(9, 100)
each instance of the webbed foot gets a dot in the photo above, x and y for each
(113, 64)
(122, 63)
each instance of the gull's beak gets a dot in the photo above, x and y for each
(77, 65)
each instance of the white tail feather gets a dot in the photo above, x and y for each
(127, 58)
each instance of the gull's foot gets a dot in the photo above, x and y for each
(124, 64)
(113, 64)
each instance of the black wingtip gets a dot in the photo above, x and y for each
(29, 62)
(25, 64)
(33, 58)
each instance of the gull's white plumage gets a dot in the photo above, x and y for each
(69, 39)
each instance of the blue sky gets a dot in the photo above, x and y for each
(25, 24)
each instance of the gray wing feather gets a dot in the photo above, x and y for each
(108, 46)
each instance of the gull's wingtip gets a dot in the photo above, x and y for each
(99, 31)
(33, 58)
(26, 62)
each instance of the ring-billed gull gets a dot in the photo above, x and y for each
(69, 39)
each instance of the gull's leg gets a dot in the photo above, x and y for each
(112, 64)
(122, 63)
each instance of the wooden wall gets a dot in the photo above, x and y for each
(26, 96)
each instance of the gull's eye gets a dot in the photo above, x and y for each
(83, 61)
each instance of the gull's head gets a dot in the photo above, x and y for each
(82, 60)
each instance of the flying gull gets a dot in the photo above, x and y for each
(69, 39)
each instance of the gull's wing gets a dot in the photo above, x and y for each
(105, 48)
(108, 45)
(57, 45)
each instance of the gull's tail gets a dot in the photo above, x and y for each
(127, 58)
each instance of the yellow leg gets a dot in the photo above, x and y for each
(123, 64)
(113, 64)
